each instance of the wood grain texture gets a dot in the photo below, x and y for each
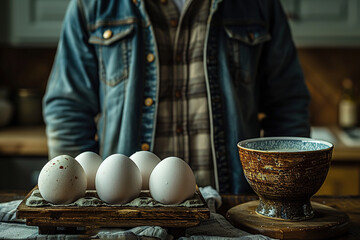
(112, 216)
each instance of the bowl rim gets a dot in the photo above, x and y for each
(304, 139)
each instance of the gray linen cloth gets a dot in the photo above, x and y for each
(214, 228)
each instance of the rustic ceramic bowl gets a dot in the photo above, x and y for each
(285, 172)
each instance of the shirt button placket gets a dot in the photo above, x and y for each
(150, 57)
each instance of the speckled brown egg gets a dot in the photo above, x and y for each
(62, 180)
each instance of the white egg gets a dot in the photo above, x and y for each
(146, 162)
(90, 162)
(118, 180)
(62, 180)
(172, 181)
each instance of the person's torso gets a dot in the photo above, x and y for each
(130, 72)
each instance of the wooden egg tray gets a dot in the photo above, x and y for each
(50, 218)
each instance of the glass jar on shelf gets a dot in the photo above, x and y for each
(348, 106)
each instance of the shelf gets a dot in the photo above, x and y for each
(31, 141)
(342, 152)
(23, 141)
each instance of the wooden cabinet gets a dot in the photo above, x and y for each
(32, 22)
(342, 179)
(324, 23)
(344, 174)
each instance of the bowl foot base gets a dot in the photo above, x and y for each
(285, 210)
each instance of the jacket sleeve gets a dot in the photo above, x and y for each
(71, 101)
(284, 96)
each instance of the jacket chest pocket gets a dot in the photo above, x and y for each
(244, 43)
(113, 47)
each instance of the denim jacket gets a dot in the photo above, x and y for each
(97, 88)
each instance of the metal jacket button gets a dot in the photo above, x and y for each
(107, 34)
(150, 57)
(148, 102)
(145, 147)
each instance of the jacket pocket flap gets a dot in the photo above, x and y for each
(115, 33)
(250, 35)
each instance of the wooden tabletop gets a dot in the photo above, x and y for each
(347, 204)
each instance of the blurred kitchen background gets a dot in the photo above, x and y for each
(326, 33)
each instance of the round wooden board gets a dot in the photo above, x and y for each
(327, 223)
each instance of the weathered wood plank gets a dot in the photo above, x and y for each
(48, 217)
